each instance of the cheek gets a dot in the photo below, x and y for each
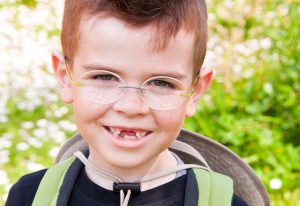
(170, 122)
(85, 111)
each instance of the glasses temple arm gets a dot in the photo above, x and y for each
(69, 75)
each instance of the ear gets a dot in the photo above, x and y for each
(58, 64)
(203, 84)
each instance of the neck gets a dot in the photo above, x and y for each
(164, 161)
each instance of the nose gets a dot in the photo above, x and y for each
(131, 103)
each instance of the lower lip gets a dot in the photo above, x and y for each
(125, 143)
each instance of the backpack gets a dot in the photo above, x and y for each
(222, 172)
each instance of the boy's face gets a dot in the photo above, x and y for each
(109, 44)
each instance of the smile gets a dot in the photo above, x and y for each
(127, 134)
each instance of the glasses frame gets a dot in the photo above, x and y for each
(79, 84)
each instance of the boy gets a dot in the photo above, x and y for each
(131, 70)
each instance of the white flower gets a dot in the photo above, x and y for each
(34, 142)
(4, 156)
(34, 167)
(265, 43)
(53, 152)
(4, 197)
(248, 73)
(67, 126)
(275, 183)
(253, 45)
(7, 135)
(237, 69)
(51, 97)
(40, 132)
(3, 178)
(268, 88)
(42, 123)
(27, 125)
(22, 146)
(60, 112)
(53, 128)
(3, 118)
(59, 137)
(4, 143)
(244, 49)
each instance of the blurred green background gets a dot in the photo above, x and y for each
(253, 106)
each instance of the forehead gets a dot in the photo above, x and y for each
(120, 45)
(157, 37)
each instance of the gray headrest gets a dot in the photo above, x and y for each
(220, 159)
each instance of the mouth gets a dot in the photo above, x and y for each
(127, 134)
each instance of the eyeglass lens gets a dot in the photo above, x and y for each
(104, 87)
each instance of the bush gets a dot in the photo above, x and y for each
(253, 106)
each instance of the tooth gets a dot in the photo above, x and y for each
(115, 131)
(140, 134)
(127, 137)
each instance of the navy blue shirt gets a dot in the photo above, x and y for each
(87, 193)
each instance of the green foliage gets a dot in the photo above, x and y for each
(256, 112)
(29, 3)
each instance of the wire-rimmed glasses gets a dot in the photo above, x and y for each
(105, 87)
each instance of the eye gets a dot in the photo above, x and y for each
(105, 77)
(160, 83)
(100, 78)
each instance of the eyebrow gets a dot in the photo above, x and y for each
(89, 67)
(176, 75)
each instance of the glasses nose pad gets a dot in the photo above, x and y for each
(120, 92)
(124, 89)
(142, 94)
(131, 101)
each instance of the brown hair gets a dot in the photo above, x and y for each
(167, 16)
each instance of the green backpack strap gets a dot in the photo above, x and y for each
(48, 190)
(214, 189)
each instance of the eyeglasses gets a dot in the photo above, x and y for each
(105, 87)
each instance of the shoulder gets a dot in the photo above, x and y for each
(23, 191)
